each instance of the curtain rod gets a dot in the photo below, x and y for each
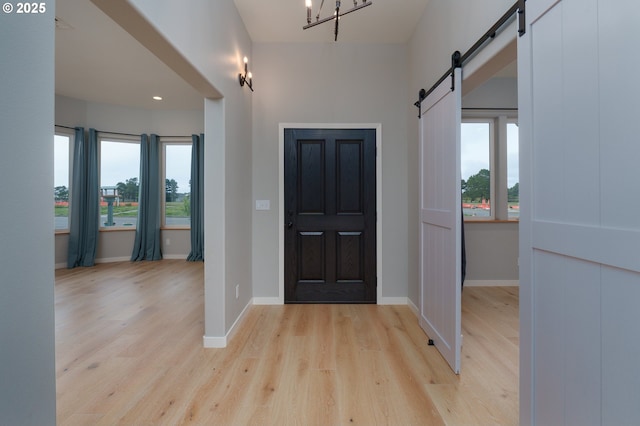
(123, 134)
(458, 60)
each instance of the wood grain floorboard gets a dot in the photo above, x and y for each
(129, 352)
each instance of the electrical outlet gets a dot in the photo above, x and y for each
(168, 242)
(237, 291)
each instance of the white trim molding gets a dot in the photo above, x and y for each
(393, 301)
(222, 341)
(175, 256)
(113, 259)
(267, 301)
(491, 283)
(214, 342)
(375, 126)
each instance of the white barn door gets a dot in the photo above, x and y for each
(440, 219)
(580, 213)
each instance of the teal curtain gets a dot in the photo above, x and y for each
(147, 242)
(84, 213)
(197, 199)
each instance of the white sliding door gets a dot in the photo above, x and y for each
(440, 219)
(580, 213)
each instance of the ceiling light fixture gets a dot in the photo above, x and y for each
(247, 77)
(335, 16)
(157, 98)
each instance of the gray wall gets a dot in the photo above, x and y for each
(117, 245)
(495, 93)
(492, 253)
(330, 83)
(27, 346)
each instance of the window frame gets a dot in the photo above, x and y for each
(61, 131)
(497, 159)
(512, 120)
(164, 142)
(118, 138)
(492, 180)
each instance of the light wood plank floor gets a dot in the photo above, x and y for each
(129, 351)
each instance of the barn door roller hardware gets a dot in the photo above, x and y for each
(521, 17)
(457, 60)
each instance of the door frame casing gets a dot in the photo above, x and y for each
(374, 126)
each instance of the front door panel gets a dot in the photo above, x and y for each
(330, 201)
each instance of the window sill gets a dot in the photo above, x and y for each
(119, 229)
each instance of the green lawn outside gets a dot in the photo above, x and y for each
(175, 209)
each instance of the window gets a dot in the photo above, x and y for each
(176, 157)
(475, 149)
(513, 176)
(489, 165)
(119, 182)
(61, 171)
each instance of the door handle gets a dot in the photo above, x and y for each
(290, 225)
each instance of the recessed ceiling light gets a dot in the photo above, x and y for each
(157, 98)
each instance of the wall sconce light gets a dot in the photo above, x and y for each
(246, 78)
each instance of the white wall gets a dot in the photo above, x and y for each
(211, 38)
(330, 83)
(117, 245)
(27, 346)
(446, 26)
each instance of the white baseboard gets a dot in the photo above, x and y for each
(392, 301)
(175, 256)
(413, 307)
(277, 301)
(267, 301)
(491, 283)
(101, 260)
(126, 259)
(221, 341)
(214, 342)
(113, 259)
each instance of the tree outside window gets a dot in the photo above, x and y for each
(61, 155)
(177, 178)
(120, 168)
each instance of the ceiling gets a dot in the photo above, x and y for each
(97, 61)
(281, 21)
